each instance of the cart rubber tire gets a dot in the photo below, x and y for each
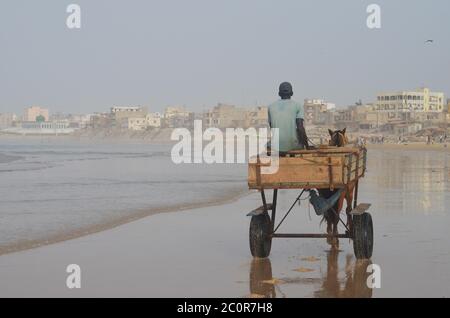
(259, 235)
(363, 236)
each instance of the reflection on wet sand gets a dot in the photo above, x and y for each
(354, 284)
(406, 182)
(260, 273)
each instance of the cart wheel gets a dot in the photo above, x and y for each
(260, 239)
(363, 236)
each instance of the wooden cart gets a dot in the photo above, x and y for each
(324, 168)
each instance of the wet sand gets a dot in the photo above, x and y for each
(106, 225)
(411, 146)
(204, 251)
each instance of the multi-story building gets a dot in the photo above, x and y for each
(127, 116)
(75, 121)
(175, 111)
(316, 111)
(257, 117)
(100, 120)
(79, 121)
(120, 112)
(134, 123)
(33, 112)
(344, 118)
(153, 120)
(367, 117)
(225, 116)
(7, 120)
(177, 116)
(403, 105)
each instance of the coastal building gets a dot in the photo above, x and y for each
(175, 111)
(134, 123)
(75, 121)
(127, 110)
(177, 116)
(225, 116)
(120, 116)
(41, 128)
(429, 118)
(316, 111)
(367, 117)
(401, 128)
(7, 120)
(34, 112)
(120, 112)
(153, 120)
(79, 121)
(33, 125)
(100, 121)
(257, 117)
(355, 117)
(344, 118)
(403, 105)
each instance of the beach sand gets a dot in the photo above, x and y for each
(410, 146)
(204, 253)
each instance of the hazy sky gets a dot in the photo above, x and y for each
(197, 53)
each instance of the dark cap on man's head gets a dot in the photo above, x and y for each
(285, 89)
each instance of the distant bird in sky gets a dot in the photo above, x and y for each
(429, 41)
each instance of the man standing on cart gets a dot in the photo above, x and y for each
(287, 115)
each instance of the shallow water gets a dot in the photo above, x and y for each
(407, 182)
(53, 188)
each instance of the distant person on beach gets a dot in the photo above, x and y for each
(287, 115)
(359, 141)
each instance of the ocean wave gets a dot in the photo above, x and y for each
(93, 153)
(8, 158)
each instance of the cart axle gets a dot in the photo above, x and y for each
(308, 235)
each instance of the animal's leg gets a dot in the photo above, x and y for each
(335, 220)
(329, 227)
(335, 240)
(349, 199)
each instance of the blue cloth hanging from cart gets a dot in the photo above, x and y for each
(322, 205)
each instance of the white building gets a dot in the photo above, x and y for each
(41, 128)
(45, 125)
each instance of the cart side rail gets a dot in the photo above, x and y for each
(311, 169)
